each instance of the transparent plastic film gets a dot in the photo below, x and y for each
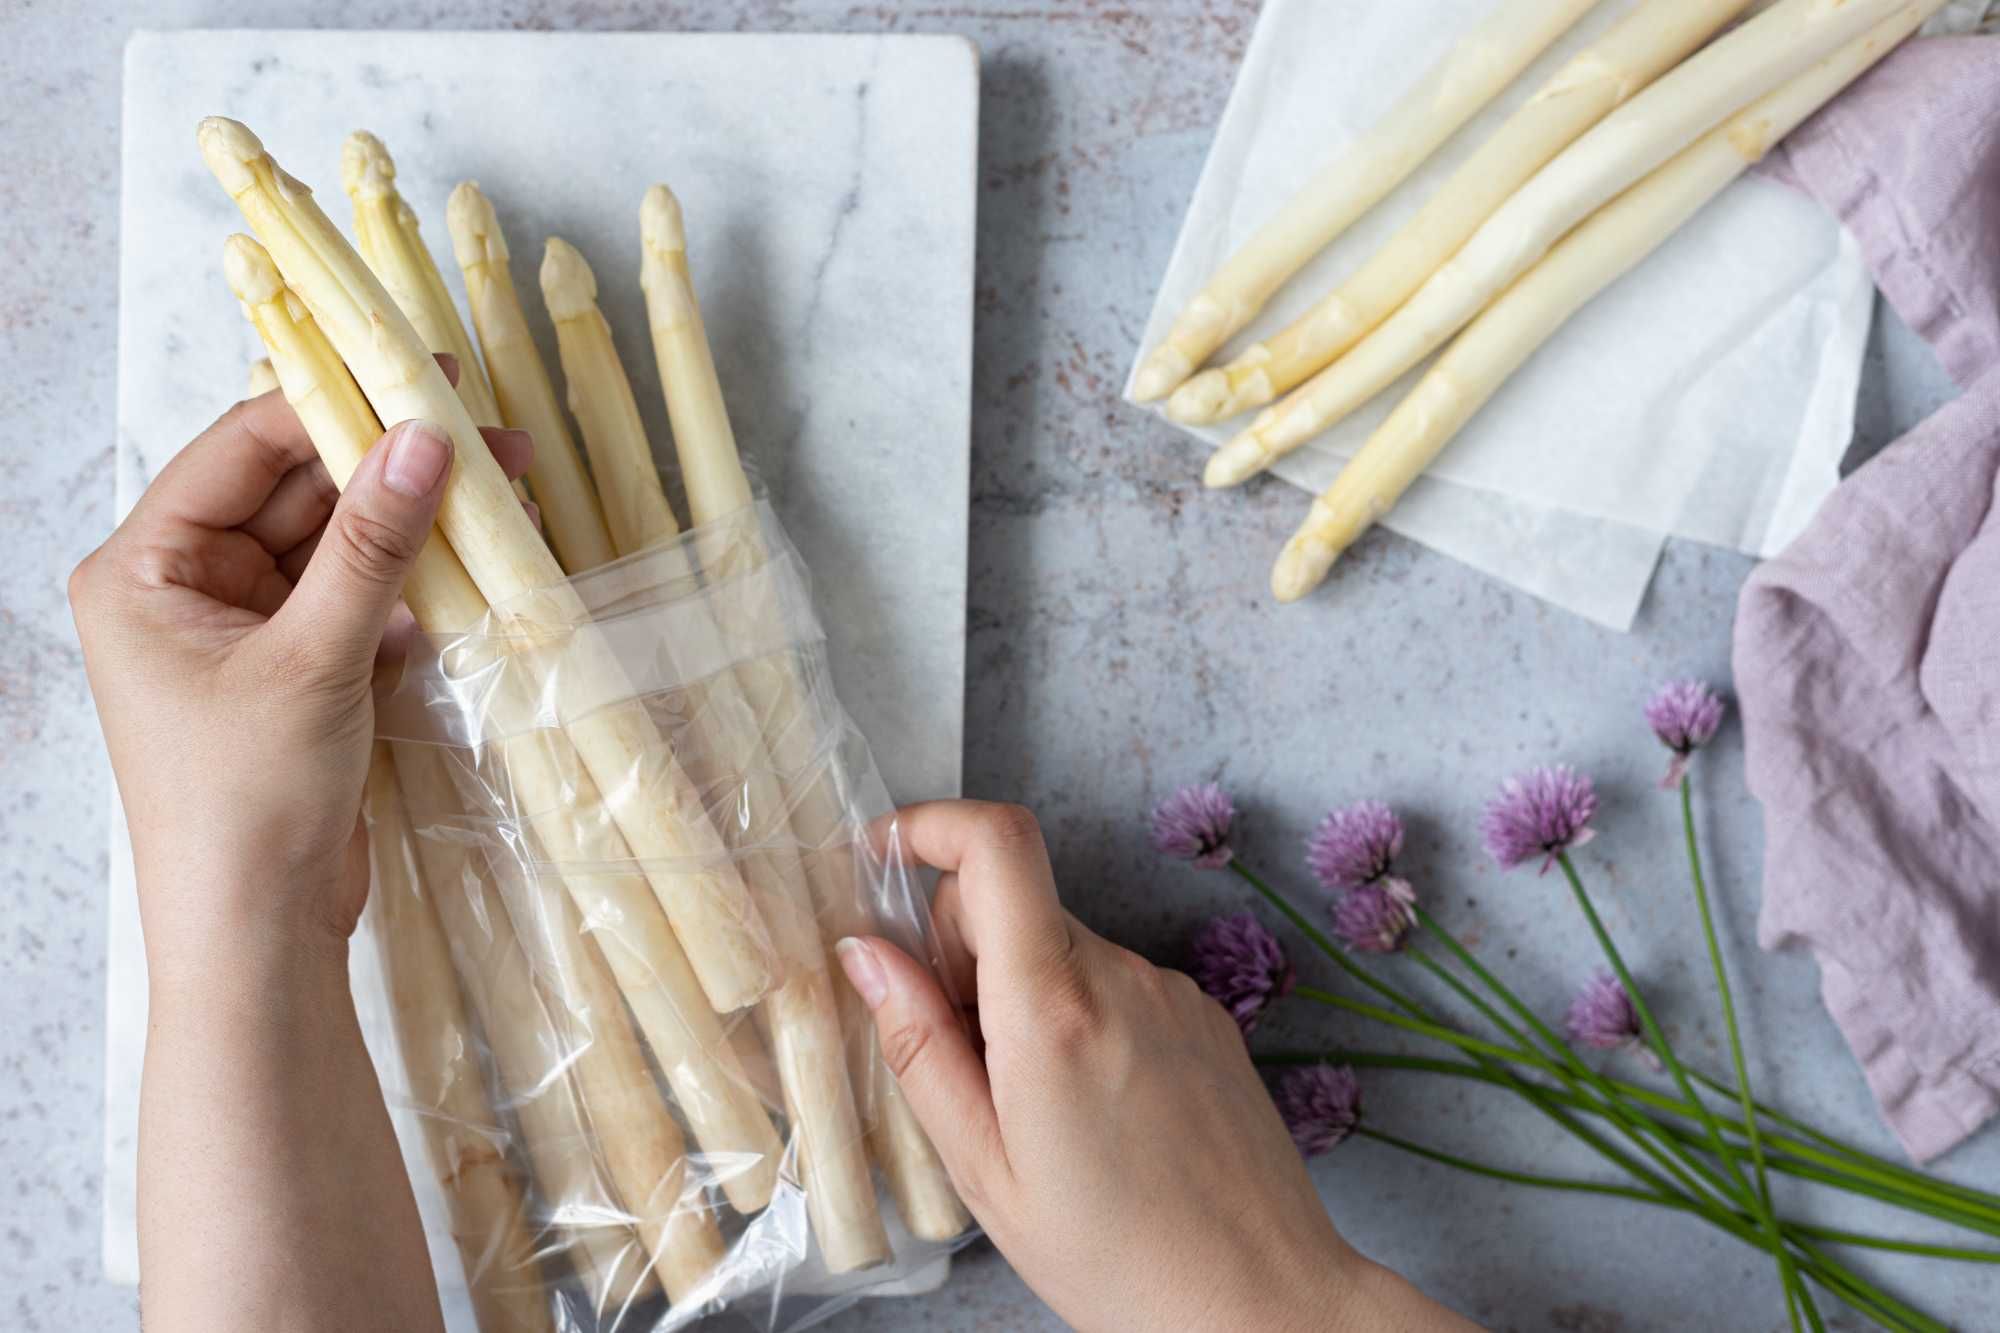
(609, 1147)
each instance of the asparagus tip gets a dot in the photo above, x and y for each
(229, 148)
(1301, 567)
(1160, 374)
(1201, 400)
(569, 288)
(248, 268)
(263, 376)
(475, 231)
(1232, 464)
(660, 223)
(366, 169)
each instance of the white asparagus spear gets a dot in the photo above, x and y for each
(642, 1143)
(1476, 69)
(712, 473)
(655, 808)
(548, 780)
(600, 397)
(262, 379)
(1584, 263)
(462, 1135)
(800, 1015)
(343, 427)
(590, 1225)
(521, 382)
(1705, 89)
(387, 235)
(1638, 49)
(642, 1149)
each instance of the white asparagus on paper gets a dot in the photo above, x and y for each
(1705, 89)
(387, 235)
(262, 378)
(1605, 247)
(800, 1015)
(463, 1136)
(1638, 49)
(712, 473)
(521, 382)
(648, 795)
(1477, 68)
(643, 1146)
(600, 397)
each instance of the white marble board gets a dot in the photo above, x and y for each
(829, 183)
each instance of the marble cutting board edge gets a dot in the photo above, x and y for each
(830, 183)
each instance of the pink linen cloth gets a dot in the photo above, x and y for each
(1867, 654)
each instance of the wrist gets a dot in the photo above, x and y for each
(212, 933)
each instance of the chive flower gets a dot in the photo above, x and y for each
(1684, 714)
(1241, 965)
(1321, 1105)
(1376, 918)
(1603, 1017)
(1543, 812)
(1193, 825)
(1355, 846)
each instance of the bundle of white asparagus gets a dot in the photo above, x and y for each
(615, 816)
(1588, 176)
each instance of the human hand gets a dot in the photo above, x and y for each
(1112, 1137)
(230, 630)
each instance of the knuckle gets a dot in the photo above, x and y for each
(1069, 1018)
(1011, 827)
(371, 548)
(83, 579)
(155, 567)
(903, 1046)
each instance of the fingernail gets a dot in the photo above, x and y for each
(864, 972)
(418, 456)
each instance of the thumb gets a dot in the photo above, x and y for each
(927, 1049)
(343, 600)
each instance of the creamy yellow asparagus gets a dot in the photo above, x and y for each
(1586, 261)
(717, 488)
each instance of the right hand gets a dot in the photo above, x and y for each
(1112, 1137)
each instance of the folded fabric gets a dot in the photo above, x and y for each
(1867, 655)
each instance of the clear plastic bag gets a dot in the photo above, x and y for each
(594, 1145)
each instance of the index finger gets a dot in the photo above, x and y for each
(226, 473)
(1006, 901)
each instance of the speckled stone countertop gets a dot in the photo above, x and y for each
(1120, 643)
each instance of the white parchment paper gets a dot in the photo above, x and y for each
(1709, 394)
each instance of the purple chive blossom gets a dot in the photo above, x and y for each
(1684, 714)
(1542, 812)
(1603, 1017)
(1242, 965)
(1355, 846)
(1193, 825)
(1375, 918)
(1321, 1106)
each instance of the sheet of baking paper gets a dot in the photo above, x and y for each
(1708, 395)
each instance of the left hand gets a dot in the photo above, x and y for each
(230, 631)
